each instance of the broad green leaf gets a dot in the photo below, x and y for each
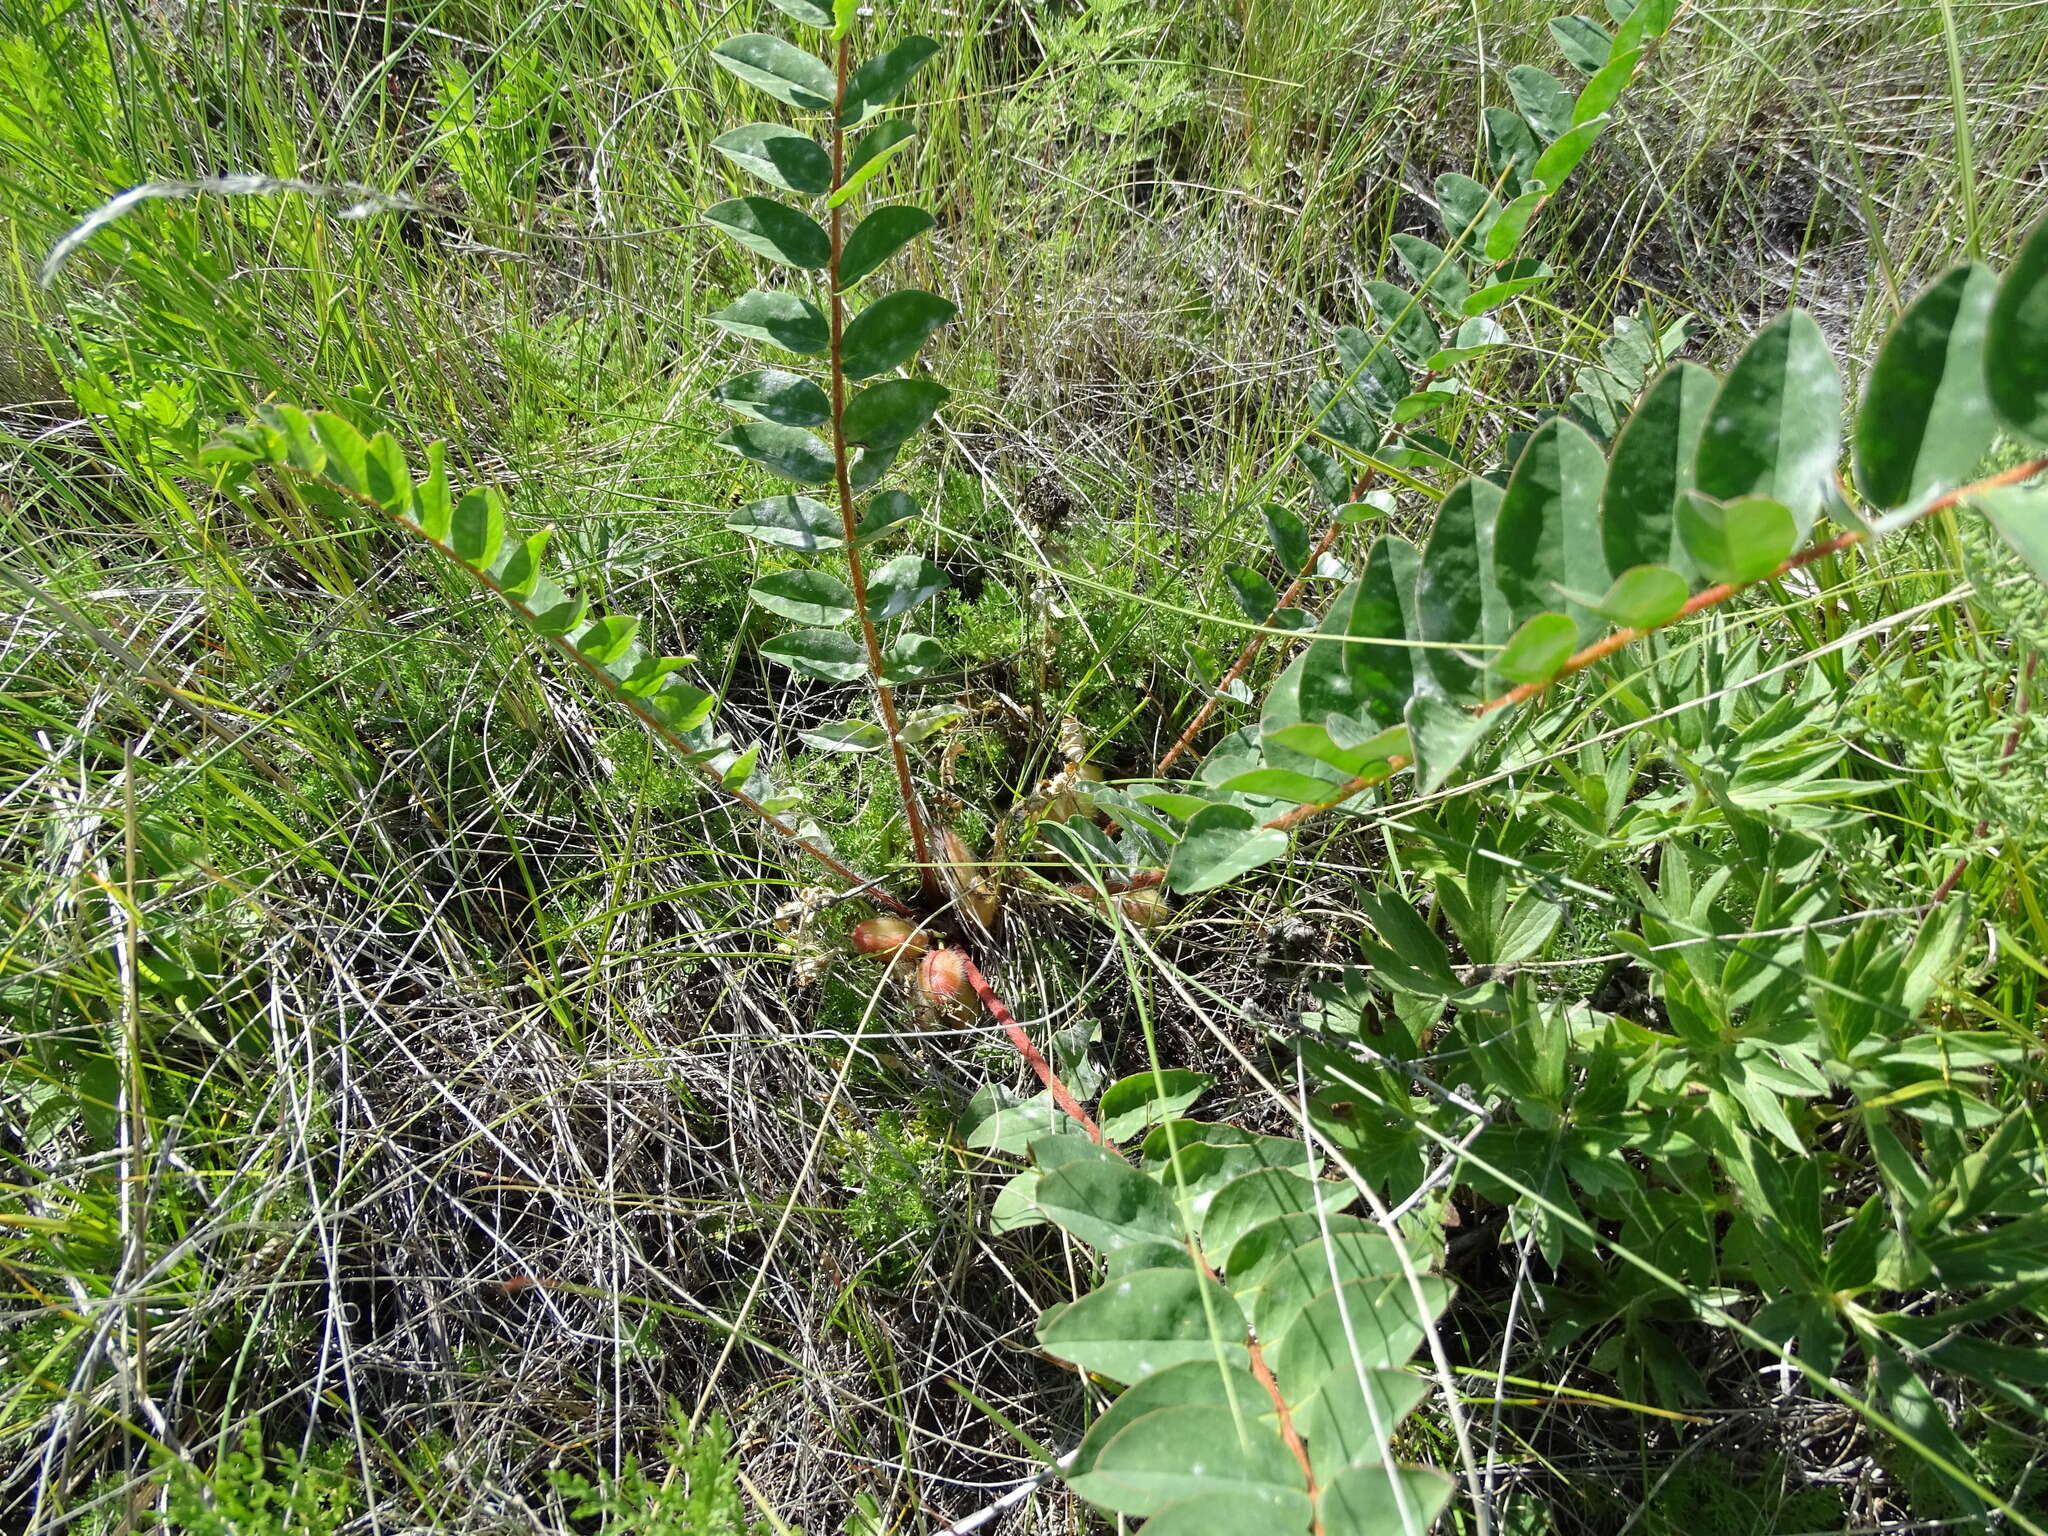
(1466, 210)
(1583, 42)
(1512, 148)
(1373, 376)
(1108, 1204)
(1145, 1322)
(881, 79)
(1254, 594)
(1349, 758)
(1605, 88)
(1214, 1513)
(1738, 541)
(827, 654)
(1219, 843)
(779, 155)
(789, 451)
(1647, 20)
(1652, 470)
(889, 331)
(1442, 735)
(1548, 533)
(1457, 599)
(604, 640)
(1925, 420)
(870, 153)
(1280, 784)
(2020, 514)
(886, 511)
(1563, 157)
(1287, 535)
(1351, 1420)
(1194, 1452)
(1252, 1257)
(1198, 1383)
(347, 452)
(1305, 1271)
(2016, 342)
(844, 14)
(908, 658)
(869, 468)
(878, 237)
(805, 596)
(1542, 99)
(1332, 481)
(1536, 650)
(1435, 273)
(793, 522)
(885, 416)
(1775, 427)
(900, 585)
(476, 528)
(810, 12)
(785, 72)
(774, 230)
(735, 777)
(850, 736)
(1644, 596)
(1343, 672)
(1516, 279)
(774, 394)
(1474, 338)
(1260, 1196)
(1506, 235)
(782, 319)
(1382, 1501)
(1406, 323)
(517, 570)
(1370, 1324)
(1146, 1098)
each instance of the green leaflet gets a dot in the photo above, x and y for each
(1652, 469)
(885, 416)
(1260, 1196)
(1643, 597)
(1372, 1324)
(773, 394)
(781, 319)
(878, 237)
(1466, 209)
(1434, 272)
(901, 585)
(1150, 1320)
(1926, 418)
(805, 596)
(1144, 1099)
(1149, 1464)
(774, 230)
(888, 333)
(787, 73)
(1351, 1420)
(1405, 322)
(789, 451)
(1108, 1204)
(1511, 150)
(1775, 427)
(825, 654)
(1563, 157)
(1458, 601)
(2016, 347)
(1541, 99)
(1382, 1501)
(1219, 843)
(1197, 1383)
(793, 522)
(870, 153)
(1538, 649)
(1582, 41)
(1547, 537)
(809, 12)
(779, 155)
(881, 79)
(1739, 541)
(1605, 88)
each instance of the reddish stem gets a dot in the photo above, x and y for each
(1032, 1055)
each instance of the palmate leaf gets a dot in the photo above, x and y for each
(781, 70)
(1926, 416)
(888, 333)
(2016, 346)
(1775, 427)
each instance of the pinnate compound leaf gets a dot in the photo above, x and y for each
(776, 395)
(826, 654)
(1644, 596)
(2020, 514)
(1652, 470)
(1149, 1320)
(1144, 1099)
(1548, 532)
(878, 237)
(1738, 541)
(1775, 427)
(1108, 1204)
(881, 79)
(789, 451)
(2016, 345)
(774, 230)
(1536, 651)
(807, 597)
(781, 319)
(1926, 418)
(791, 522)
(1194, 1452)
(780, 69)
(870, 153)
(1220, 843)
(889, 331)
(1541, 99)
(779, 155)
(885, 416)
(901, 584)
(1382, 1501)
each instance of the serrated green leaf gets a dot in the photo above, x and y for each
(807, 597)
(910, 657)
(1775, 427)
(1146, 1098)
(1382, 1501)
(901, 584)
(2016, 342)
(1194, 1452)
(1583, 41)
(779, 155)
(1541, 99)
(1219, 843)
(791, 522)
(885, 416)
(881, 79)
(1548, 533)
(871, 152)
(1652, 469)
(1644, 596)
(789, 451)
(785, 72)
(826, 654)
(848, 736)
(889, 331)
(781, 319)
(1458, 600)
(775, 395)
(1926, 419)
(1147, 1321)
(774, 230)
(1533, 654)
(1738, 541)
(1562, 158)
(878, 237)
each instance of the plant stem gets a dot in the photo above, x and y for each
(1033, 1057)
(885, 696)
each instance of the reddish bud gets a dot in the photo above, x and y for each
(887, 935)
(942, 985)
